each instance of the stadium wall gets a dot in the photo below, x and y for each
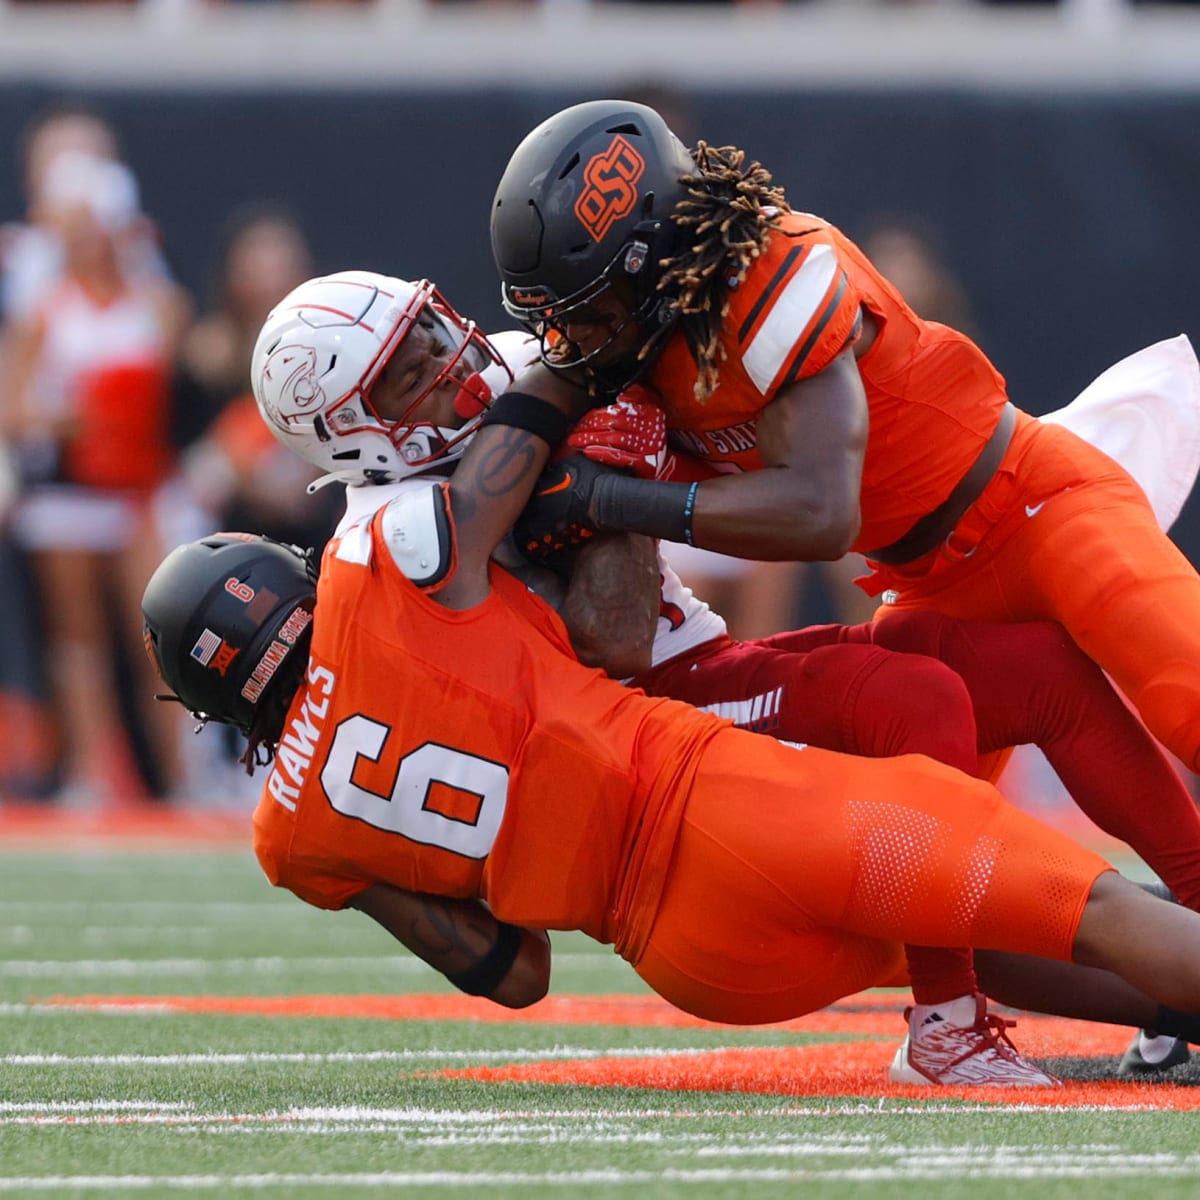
(1068, 213)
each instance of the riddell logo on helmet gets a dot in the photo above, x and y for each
(531, 297)
(611, 187)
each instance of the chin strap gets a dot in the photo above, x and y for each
(357, 477)
(170, 697)
(349, 476)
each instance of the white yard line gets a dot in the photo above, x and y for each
(505, 1123)
(1156, 1166)
(349, 1056)
(92, 908)
(39, 968)
(78, 1106)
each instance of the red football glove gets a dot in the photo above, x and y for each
(630, 433)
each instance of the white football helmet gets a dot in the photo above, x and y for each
(322, 349)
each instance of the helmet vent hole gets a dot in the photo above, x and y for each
(332, 363)
(626, 127)
(571, 165)
(347, 455)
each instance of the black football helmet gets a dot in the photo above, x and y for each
(585, 199)
(222, 615)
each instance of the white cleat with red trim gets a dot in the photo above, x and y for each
(961, 1044)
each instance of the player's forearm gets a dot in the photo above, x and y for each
(774, 515)
(612, 603)
(528, 979)
(768, 515)
(496, 476)
(490, 487)
(465, 942)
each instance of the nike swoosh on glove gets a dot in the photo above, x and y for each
(630, 433)
(558, 515)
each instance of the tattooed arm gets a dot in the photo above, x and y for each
(461, 938)
(492, 484)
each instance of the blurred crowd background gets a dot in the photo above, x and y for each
(146, 228)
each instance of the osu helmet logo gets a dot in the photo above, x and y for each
(289, 383)
(610, 190)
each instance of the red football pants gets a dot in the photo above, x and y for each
(919, 682)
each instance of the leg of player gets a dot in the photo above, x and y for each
(872, 702)
(1152, 945)
(1030, 683)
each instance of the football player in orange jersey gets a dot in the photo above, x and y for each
(256, 665)
(770, 341)
(421, 711)
(375, 379)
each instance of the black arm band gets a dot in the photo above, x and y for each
(532, 414)
(661, 510)
(488, 973)
(1177, 1024)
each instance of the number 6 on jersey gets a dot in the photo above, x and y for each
(440, 797)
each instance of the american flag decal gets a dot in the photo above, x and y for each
(207, 644)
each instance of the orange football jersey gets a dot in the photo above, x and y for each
(468, 753)
(934, 397)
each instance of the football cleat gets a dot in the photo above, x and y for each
(940, 1053)
(1152, 1054)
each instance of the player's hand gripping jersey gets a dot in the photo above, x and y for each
(437, 750)
(934, 397)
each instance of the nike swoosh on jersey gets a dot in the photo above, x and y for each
(1032, 510)
(561, 486)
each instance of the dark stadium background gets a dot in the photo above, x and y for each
(1069, 215)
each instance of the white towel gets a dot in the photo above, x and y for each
(1145, 412)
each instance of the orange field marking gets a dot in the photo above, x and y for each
(857, 1068)
(866, 1014)
(136, 824)
(647, 1011)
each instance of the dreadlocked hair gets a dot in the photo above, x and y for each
(272, 709)
(726, 220)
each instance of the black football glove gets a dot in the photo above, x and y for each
(559, 515)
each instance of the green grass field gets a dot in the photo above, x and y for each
(147, 1100)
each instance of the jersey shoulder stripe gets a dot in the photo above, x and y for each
(818, 328)
(769, 291)
(796, 309)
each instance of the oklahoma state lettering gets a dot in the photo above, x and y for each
(715, 443)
